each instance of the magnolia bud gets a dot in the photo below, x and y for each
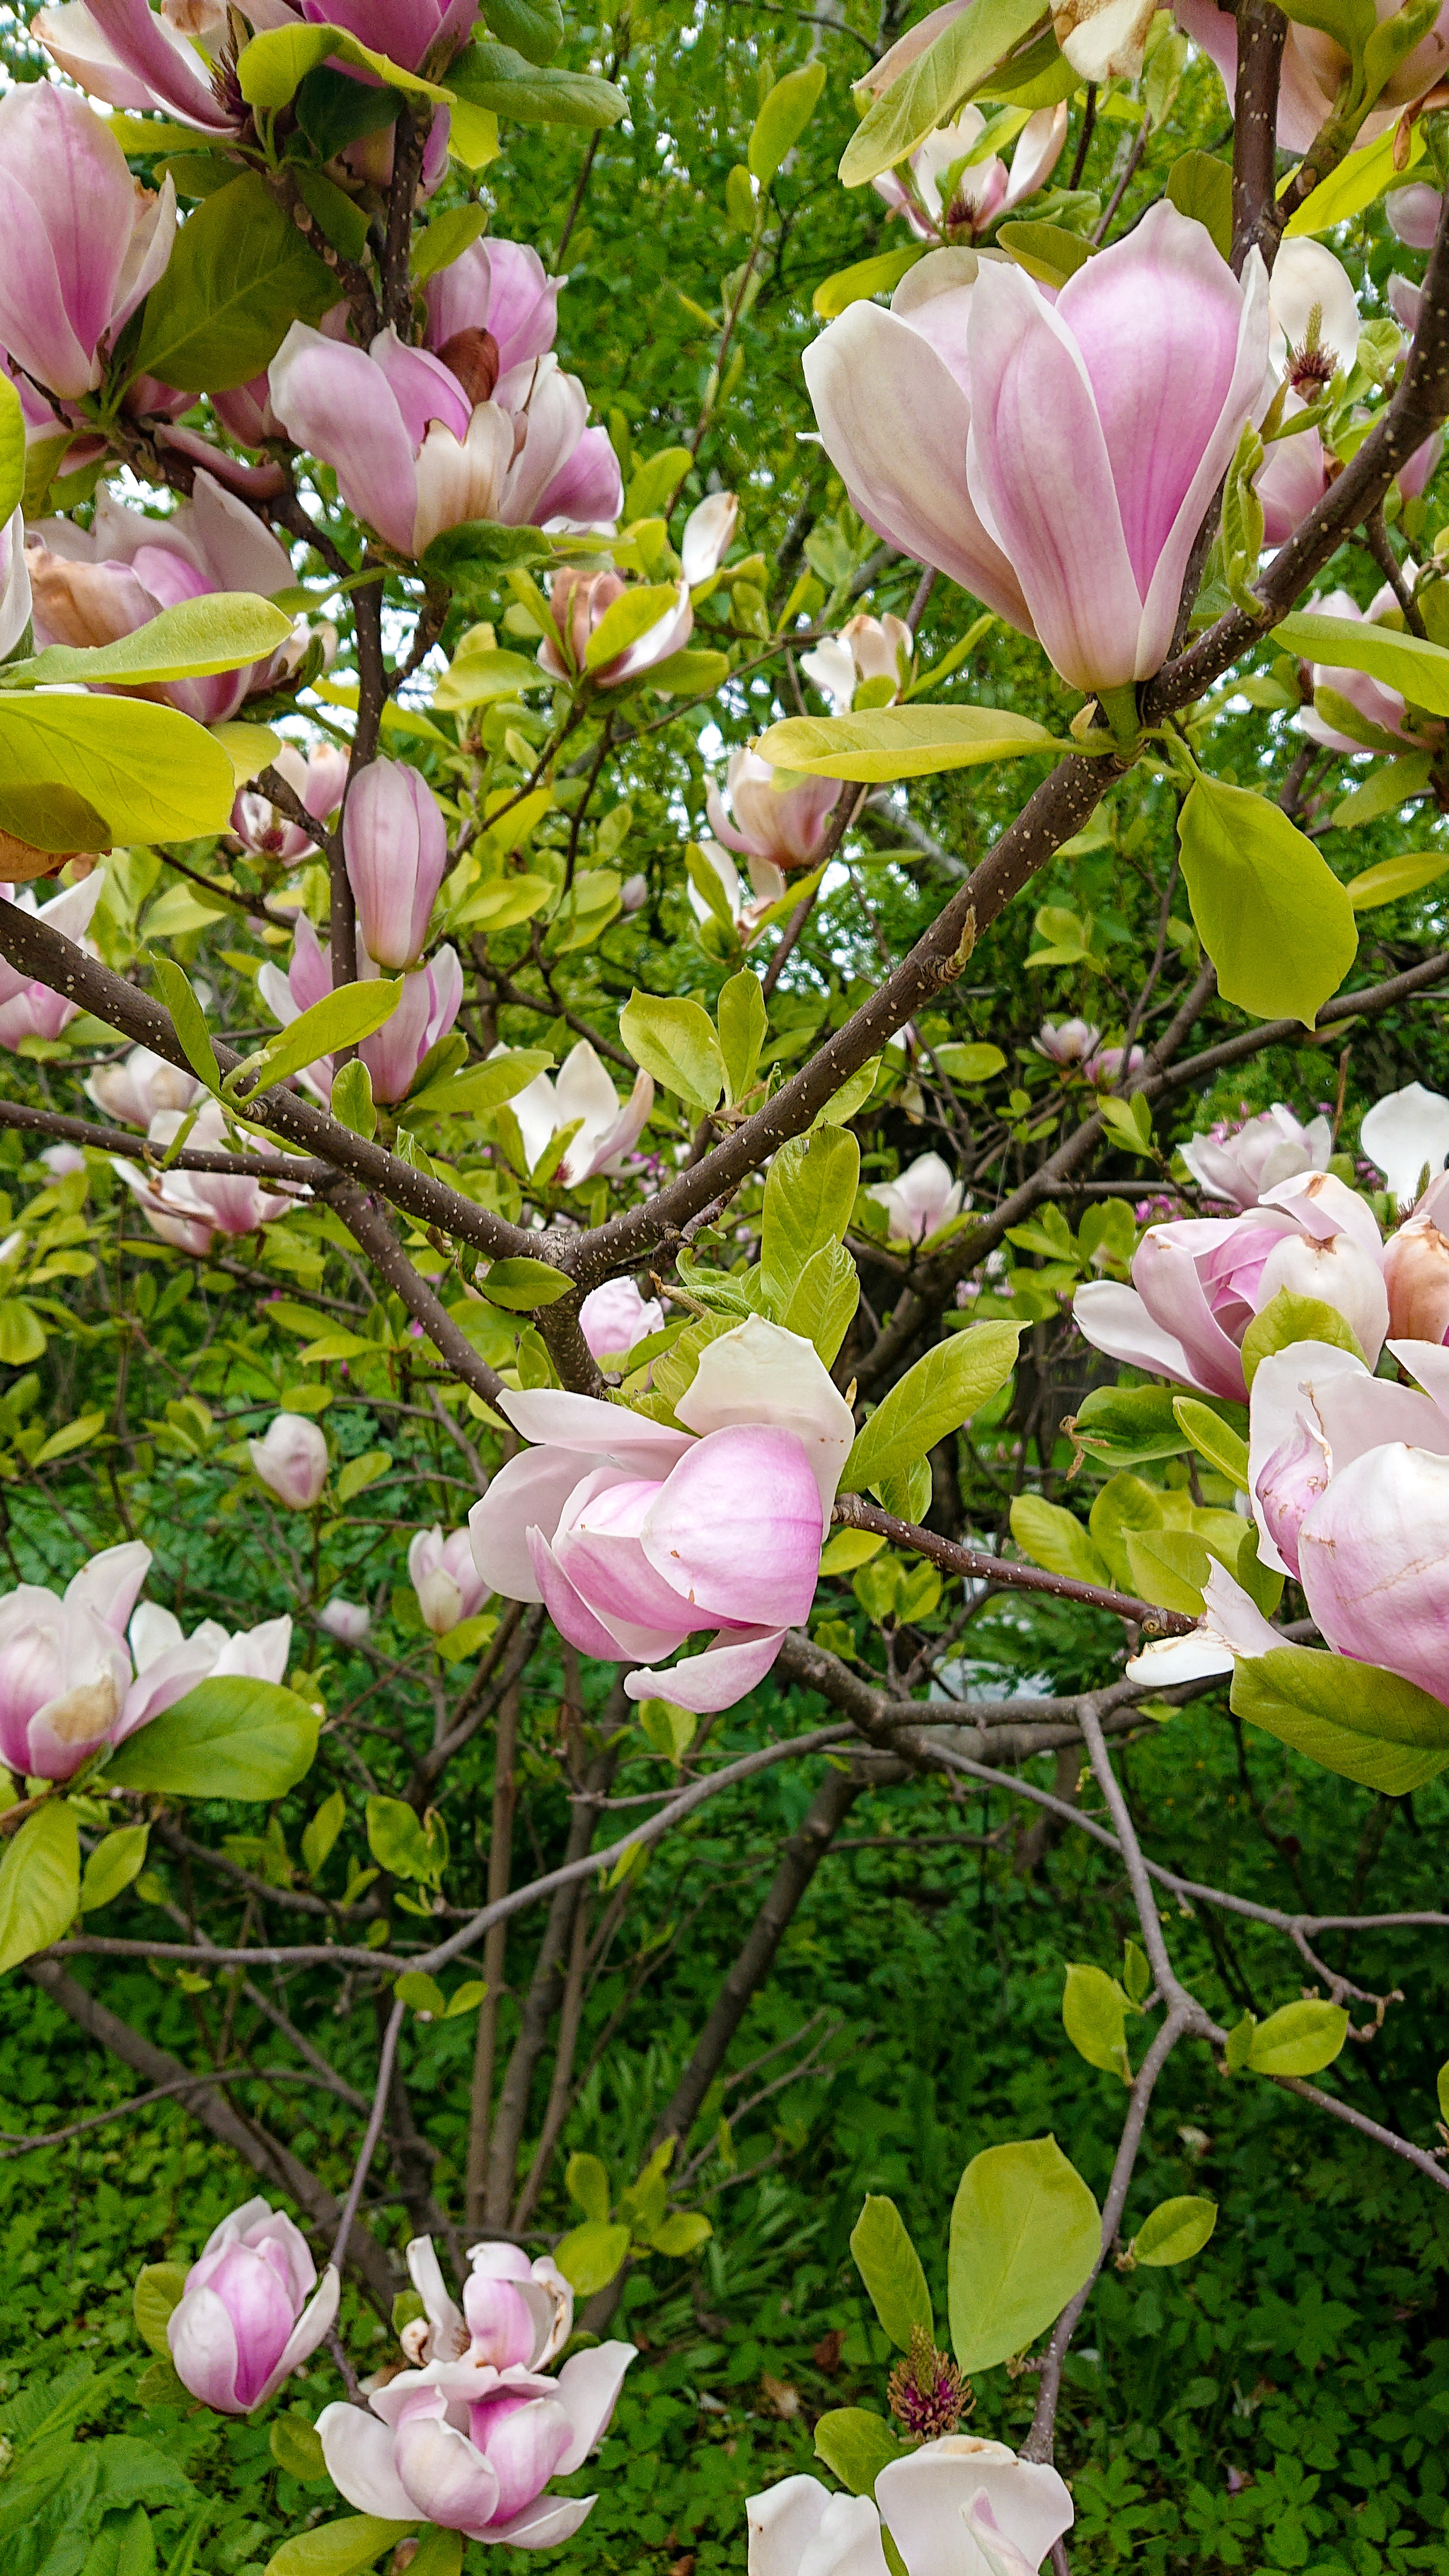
(291, 1460)
(396, 845)
(1416, 1274)
(472, 356)
(633, 894)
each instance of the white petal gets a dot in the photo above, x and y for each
(761, 1373)
(588, 2388)
(358, 2453)
(1404, 1131)
(782, 2522)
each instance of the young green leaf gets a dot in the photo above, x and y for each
(890, 2267)
(219, 632)
(39, 1882)
(783, 119)
(743, 1022)
(1025, 2234)
(340, 1019)
(809, 1194)
(969, 47)
(1175, 2230)
(230, 1737)
(855, 2446)
(589, 2256)
(1094, 2019)
(189, 1021)
(934, 1398)
(1367, 1724)
(239, 275)
(116, 1860)
(901, 742)
(1269, 910)
(151, 772)
(1301, 2039)
(674, 1040)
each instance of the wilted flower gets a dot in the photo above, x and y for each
(445, 1579)
(188, 1208)
(316, 778)
(784, 825)
(1407, 1134)
(291, 1460)
(867, 649)
(582, 1090)
(83, 243)
(956, 2507)
(920, 1201)
(613, 1318)
(1198, 1283)
(1242, 1164)
(92, 586)
(636, 1537)
(251, 2310)
(983, 191)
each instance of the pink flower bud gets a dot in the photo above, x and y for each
(133, 1091)
(348, 1621)
(291, 1460)
(396, 845)
(445, 1579)
(247, 2316)
(1416, 1274)
(83, 243)
(616, 1316)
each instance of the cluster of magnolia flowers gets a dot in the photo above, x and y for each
(1347, 1470)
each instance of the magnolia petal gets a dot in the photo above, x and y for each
(1113, 1318)
(716, 1679)
(1167, 1660)
(204, 2350)
(735, 1527)
(529, 1491)
(761, 1373)
(448, 2478)
(1030, 2501)
(782, 2522)
(588, 2387)
(544, 2525)
(1404, 1131)
(315, 2321)
(583, 1422)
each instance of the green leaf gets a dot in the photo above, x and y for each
(465, 1998)
(470, 557)
(521, 1284)
(681, 2235)
(875, 276)
(1025, 2236)
(1289, 1318)
(1409, 663)
(239, 276)
(189, 1021)
(351, 1098)
(439, 2552)
(398, 1842)
(272, 67)
(1301, 2039)
(674, 1040)
(1136, 1972)
(338, 2548)
(855, 2446)
(1356, 1719)
(475, 679)
(230, 1737)
(1055, 1538)
(1213, 1438)
(688, 674)
(466, 1638)
(589, 2256)
(152, 773)
(1358, 180)
(444, 240)
(116, 1860)
(340, 220)
(294, 2445)
(504, 902)
(652, 482)
(1269, 910)
(890, 2267)
(1175, 2230)
(1048, 252)
(12, 449)
(1392, 879)
(809, 1194)
(361, 1472)
(497, 77)
(970, 1063)
(901, 742)
(1094, 2012)
(783, 119)
(1201, 186)
(39, 1882)
(319, 1836)
(22, 1334)
(158, 2290)
(934, 1398)
(54, 817)
(743, 1022)
(534, 28)
(586, 2181)
(823, 1301)
(630, 616)
(421, 1993)
(924, 97)
(340, 1019)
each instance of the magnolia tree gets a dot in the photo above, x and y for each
(497, 961)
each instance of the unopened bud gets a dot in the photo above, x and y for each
(472, 356)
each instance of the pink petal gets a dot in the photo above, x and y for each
(330, 397)
(736, 1527)
(1370, 1555)
(1113, 1318)
(598, 1547)
(544, 2525)
(204, 2350)
(529, 1491)
(524, 2439)
(717, 1678)
(588, 2388)
(448, 2479)
(358, 2452)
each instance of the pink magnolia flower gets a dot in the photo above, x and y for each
(445, 1579)
(1404, 1133)
(189, 1208)
(500, 287)
(83, 243)
(959, 2503)
(613, 1318)
(636, 1537)
(1292, 478)
(1416, 1269)
(582, 1090)
(94, 585)
(1315, 315)
(168, 1662)
(1198, 1283)
(578, 603)
(409, 32)
(430, 1003)
(472, 2447)
(61, 1160)
(1067, 1041)
(67, 1686)
(984, 191)
(634, 893)
(1382, 710)
(251, 2311)
(785, 826)
(133, 1091)
(396, 846)
(1089, 467)
(920, 1201)
(868, 648)
(415, 447)
(317, 777)
(1413, 214)
(1272, 1147)
(1106, 1065)
(347, 1621)
(516, 2315)
(291, 1460)
(124, 52)
(30, 1009)
(1314, 69)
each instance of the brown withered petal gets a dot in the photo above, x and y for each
(20, 860)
